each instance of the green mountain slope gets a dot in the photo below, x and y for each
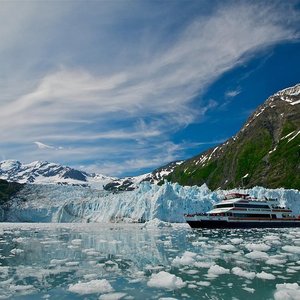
(265, 152)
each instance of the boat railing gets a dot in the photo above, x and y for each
(197, 214)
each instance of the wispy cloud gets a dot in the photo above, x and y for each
(43, 146)
(142, 102)
(232, 93)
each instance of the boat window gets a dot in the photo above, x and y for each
(252, 215)
(224, 205)
(274, 216)
(251, 205)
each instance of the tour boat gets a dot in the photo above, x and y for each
(242, 211)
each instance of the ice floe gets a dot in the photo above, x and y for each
(166, 280)
(257, 255)
(291, 249)
(264, 275)
(287, 291)
(242, 273)
(91, 287)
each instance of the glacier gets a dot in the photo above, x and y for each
(168, 202)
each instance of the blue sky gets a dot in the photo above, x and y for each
(123, 87)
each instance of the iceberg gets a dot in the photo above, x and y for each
(168, 202)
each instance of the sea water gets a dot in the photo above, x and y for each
(97, 261)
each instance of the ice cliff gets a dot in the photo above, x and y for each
(169, 202)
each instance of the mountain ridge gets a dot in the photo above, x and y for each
(43, 172)
(264, 152)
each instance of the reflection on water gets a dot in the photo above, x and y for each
(47, 260)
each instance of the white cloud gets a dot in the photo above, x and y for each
(43, 146)
(145, 101)
(232, 93)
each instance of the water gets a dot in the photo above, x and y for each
(71, 261)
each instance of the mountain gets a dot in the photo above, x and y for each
(265, 152)
(43, 172)
(7, 190)
(130, 183)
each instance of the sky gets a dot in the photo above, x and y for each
(123, 87)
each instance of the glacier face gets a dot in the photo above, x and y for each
(169, 202)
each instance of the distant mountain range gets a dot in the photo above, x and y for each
(43, 172)
(265, 152)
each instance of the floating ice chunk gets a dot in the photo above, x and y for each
(156, 223)
(166, 280)
(112, 296)
(287, 291)
(228, 248)
(16, 251)
(57, 261)
(257, 255)
(271, 237)
(22, 288)
(257, 247)
(197, 244)
(91, 252)
(236, 241)
(289, 270)
(167, 298)
(191, 272)
(91, 287)
(275, 261)
(76, 242)
(186, 259)
(250, 290)
(203, 264)
(204, 283)
(4, 271)
(264, 275)
(291, 249)
(19, 240)
(218, 270)
(242, 273)
(90, 276)
(72, 263)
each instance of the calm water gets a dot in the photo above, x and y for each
(71, 261)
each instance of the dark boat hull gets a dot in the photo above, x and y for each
(245, 224)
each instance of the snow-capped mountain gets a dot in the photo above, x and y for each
(131, 183)
(43, 172)
(264, 152)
